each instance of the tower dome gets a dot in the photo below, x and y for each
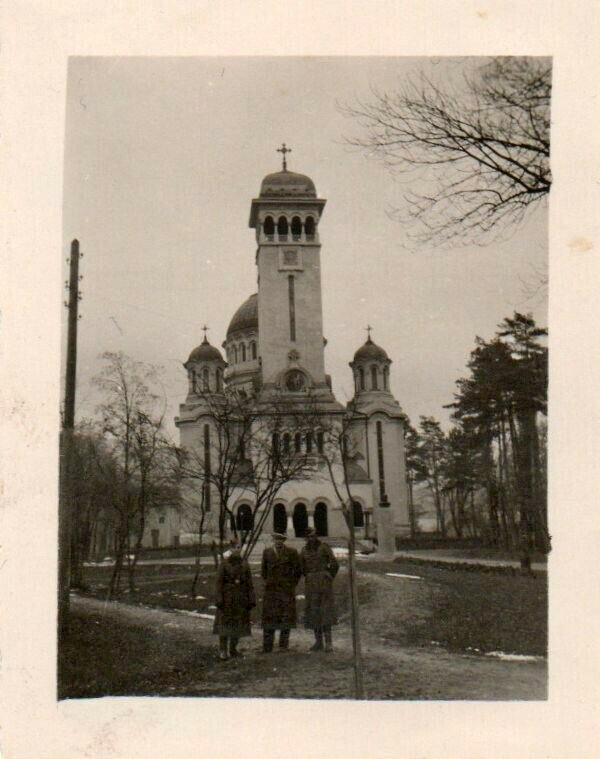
(287, 184)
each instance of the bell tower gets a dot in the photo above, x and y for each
(286, 218)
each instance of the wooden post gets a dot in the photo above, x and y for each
(66, 473)
(356, 645)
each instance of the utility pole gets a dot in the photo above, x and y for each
(66, 489)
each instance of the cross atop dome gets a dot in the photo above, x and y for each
(205, 330)
(368, 329)
(283, 150)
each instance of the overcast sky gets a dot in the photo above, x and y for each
(162, 159)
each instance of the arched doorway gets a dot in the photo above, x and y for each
(359, 517)
(279, 518)
(300, 520)
(321, 519)
(245, 518)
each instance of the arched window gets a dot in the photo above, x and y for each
(234, 352)
(320, 440)
(282, 228)
(309, 442)
(205, 385)
(275, 443)
(361, 378)
(253, 350)
(374, 385)
(296, 228)
(219, 380)
(286, 443)
(386, 376)
(243, 347)
(298, 442)
(357, 512)
(309, 227)
(269, 227)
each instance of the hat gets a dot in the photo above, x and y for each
(278, 536)
(310, 533)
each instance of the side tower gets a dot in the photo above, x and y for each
(286, 218)
(379, 434)
(198, 434)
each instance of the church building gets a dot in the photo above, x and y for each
(275, 351)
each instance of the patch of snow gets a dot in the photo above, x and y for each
(200, 598)
(514, 657)
(406, 577)
(212, 606)
(300, 597)
(195, 614)
(340, 551)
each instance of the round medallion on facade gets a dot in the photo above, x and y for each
(295, 381)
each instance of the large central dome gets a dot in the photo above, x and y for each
(287, 184)
(246, 317)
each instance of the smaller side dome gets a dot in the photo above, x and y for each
(205, 352)
(370, 351)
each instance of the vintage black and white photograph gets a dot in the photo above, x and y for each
(304, 378)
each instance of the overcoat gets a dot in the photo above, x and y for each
(234, 599)
(281, 571)
(319, 567)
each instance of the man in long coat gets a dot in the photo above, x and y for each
(281, 572)
(234, 599)
(319, 567)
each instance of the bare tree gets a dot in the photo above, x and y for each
(479, 153)
(93, 487)
(132, 422)
(251, 451)
(338, 454)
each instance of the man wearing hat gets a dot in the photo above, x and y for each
(319, 567)
(281, 572)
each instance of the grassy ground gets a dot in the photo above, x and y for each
(478, 611)
(121, 649)
(424, 637)
(458, 609)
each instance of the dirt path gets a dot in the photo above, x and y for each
(391, 672)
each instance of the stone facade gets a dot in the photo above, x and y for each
(275, 353)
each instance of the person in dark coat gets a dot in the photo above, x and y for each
(281, 572)
(319, 567)
(234, 600)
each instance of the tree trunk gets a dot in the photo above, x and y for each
(356, 644)
(197, 567)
